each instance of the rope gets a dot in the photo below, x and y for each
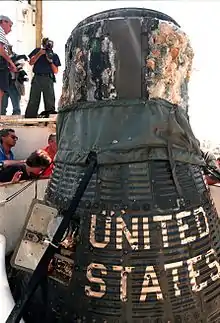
(35, 191)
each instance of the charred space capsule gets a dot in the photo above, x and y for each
(148, 244)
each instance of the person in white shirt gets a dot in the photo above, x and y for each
(16, 87)
(6, 64)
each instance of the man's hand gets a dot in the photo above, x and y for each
(17, 176)
(49, 59)
(34, 58)
(42, 51)
(12, 67)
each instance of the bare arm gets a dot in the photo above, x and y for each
(13, 162)
(6, 56)
(16, 178)
(34, 58)
(54, 68)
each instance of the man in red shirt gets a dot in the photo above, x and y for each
(211, 162)
(51, 149)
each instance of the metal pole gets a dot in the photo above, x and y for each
(39, 22)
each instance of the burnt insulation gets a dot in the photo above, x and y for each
(127, 54)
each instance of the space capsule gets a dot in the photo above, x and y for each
(148, 240)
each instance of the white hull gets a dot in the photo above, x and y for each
(215, 193)
(7, 301)
(13, 214)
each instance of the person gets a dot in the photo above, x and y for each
(37, 162)
(8, 140)
(12, 93)
(15, 90)
(45, 65)
(6, 64)
(51, 150)
(211, 162)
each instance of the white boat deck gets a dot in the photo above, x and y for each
(13, 213)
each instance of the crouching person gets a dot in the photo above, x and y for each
(212, 169)
(51, 150)
(35, 164)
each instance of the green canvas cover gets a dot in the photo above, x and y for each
(125, 132)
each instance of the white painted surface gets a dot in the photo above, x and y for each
(215, 193)
(7, 301)
(29, 252)
(13, 214)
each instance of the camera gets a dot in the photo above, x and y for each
(48, 46)
(19, 61)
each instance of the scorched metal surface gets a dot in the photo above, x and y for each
(140, 258)
(148, 241)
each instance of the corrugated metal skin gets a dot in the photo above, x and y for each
(143, 190)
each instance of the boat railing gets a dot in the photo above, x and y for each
(7, 184)
(22, 121)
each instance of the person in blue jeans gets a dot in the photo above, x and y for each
(15, 90)
(15, 96)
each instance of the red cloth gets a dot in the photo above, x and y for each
(49, 170)
(211, 181)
